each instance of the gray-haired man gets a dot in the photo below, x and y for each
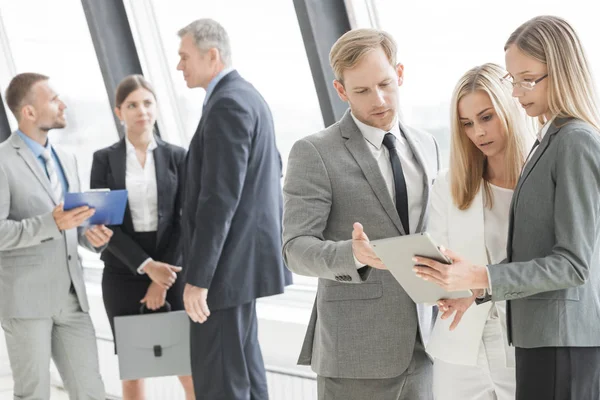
(231, 219)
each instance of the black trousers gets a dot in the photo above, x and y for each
(558, 373)
(227, 363)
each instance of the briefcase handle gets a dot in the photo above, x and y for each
(165, 308)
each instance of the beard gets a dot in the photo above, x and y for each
(58, 124)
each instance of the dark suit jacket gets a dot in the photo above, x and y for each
(108, 171)
(232, 204)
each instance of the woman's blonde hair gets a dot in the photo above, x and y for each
(467, 162)
(571, 91)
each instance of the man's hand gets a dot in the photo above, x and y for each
(194, 299)
(460, 275)
(66, 220)
(460, 306)
(98, 235)
(162, 274)
(155, 297)
(362, 249)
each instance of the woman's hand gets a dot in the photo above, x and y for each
(458, 306)
(460, 275)
(161, 273)
(155, 297)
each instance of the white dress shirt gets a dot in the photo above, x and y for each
(142, 191)
(413, 174)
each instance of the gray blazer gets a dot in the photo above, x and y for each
(37, 261)
(363, 323)
(552, 274)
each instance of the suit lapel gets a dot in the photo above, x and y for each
(117, 160)
(72, 181)
(358, 147)
(161, 164)
(468, 226)
(415, 147)
(35, 167)
(529, 166)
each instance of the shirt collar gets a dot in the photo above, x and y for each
(375, 135)
(544, 130)
(213, 83)
(34, 146)
(151, 146)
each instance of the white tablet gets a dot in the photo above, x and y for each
(397, 253)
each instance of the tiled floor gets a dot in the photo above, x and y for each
(6, 384)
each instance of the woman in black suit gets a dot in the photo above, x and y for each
(141, 261)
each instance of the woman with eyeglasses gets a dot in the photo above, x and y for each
(469, 213)
(551, 275)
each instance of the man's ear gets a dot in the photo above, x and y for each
(400, 72)
(340, 89)
(28, 112)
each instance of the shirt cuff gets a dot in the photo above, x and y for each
(357, 263)
(140, 269)
(487, 292)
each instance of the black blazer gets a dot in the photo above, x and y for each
(232, 204)
(108, 171)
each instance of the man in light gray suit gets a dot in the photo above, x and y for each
(43, 304)
(366, 337)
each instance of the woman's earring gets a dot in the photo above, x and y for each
(122, 123)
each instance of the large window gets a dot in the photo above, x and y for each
(438, 41)
(40, 36)
(267, 51)
(54, 40)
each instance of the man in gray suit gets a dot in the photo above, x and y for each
(365, 339)
(43, 304)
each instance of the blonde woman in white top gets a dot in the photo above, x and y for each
(469, 214)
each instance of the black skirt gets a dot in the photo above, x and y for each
(122, 290)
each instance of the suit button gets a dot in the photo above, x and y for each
(338, 278)
(69, 257)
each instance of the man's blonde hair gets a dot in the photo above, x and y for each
(349, 49)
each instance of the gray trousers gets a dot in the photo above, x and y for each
(416, 383)
(68, 338)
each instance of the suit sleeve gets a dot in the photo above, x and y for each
(174, 248)
(26, 232)
(121, 245)
(576, 225)
(307, 203)
(227, 141)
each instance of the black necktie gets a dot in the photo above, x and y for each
(389, 141)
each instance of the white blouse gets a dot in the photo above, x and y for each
(496, 218)
(142, 189)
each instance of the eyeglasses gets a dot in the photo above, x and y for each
(526, 85)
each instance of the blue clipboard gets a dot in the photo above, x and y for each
(109, 205)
